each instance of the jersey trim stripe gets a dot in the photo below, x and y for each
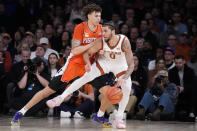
(120, 74)
(100, 68)
(95, 31)
(112, 47)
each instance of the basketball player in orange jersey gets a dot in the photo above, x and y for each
(84, 34)
(117, 58)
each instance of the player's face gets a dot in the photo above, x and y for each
(107, 33)
(94, 17)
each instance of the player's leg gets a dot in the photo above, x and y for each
(126, 89)
(47, 91)
(87, 77)
(99, 117)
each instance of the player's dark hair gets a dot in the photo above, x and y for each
(109, 25)
(179, 57)
(89, 8)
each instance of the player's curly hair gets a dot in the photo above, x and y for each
(89, 8)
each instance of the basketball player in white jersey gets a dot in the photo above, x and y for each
(117, 58)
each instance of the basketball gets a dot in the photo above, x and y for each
(114, 95)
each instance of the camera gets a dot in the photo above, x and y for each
(155, 90)
(159, 79)
(31, 67)
(76, 93)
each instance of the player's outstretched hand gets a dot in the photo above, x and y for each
(88, 67)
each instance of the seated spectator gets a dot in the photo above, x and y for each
(134, 34)
(139, 45)
(7, 59)
(44, 42)
(192, 63)
(144, 51)
(148, 53)
(116, 21)
(52, 68)
(183, 77)
(53, 65)
(160, 65)
(29, 37)
(69, 26)
(146, 33)
(178, 25)
(39, 34)
(76, 11)
(159, 53)
(2, 75)
(17, 39)
(40, 52)
(139, 79)
(182, 47)
(64, 56)
(169, 57)
(65, 41)
(168, 38)
(20, 47)
(160, 99)
(26, 79)
(8, 45)
(79, 104)
(172, 40)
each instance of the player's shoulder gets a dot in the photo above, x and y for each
(122, 36)
(80, 26)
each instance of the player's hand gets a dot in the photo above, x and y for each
(88, 67)
(120, 82)
(101, 53)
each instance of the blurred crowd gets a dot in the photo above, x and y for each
(35, 41)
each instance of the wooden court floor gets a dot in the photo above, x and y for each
(66, 124)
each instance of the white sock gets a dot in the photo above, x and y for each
(100, 113)
(23, 110)
(123, 103)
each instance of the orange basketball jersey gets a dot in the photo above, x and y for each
(76, 66)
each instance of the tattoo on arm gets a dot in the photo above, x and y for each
(129, 58)
(126, 44)
(75, 43)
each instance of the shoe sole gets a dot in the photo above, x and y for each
(15, 124)
(48, 104)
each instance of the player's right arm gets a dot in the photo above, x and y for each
(97, 45)
(77, 48)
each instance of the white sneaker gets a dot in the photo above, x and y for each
(79, 115)
(64, 114)
(119, 124)
(191, 114)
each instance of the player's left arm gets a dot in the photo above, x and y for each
(126, 47)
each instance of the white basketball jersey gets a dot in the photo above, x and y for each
(113, 56)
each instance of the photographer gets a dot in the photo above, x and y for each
(80, 104)
(160, 100)
(27, 78)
